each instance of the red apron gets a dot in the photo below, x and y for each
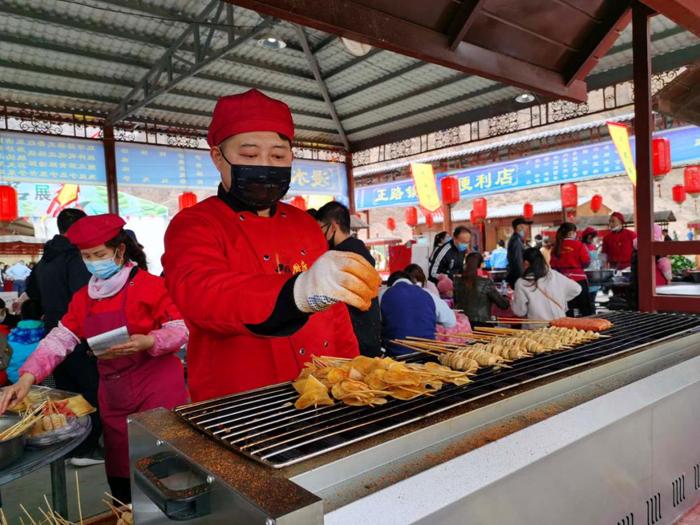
(130, 384)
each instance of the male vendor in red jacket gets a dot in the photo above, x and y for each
(251, 275)
(618, 245)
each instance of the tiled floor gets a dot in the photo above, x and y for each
(30, 490)
(691, 518)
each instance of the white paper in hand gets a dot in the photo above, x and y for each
(99, 344)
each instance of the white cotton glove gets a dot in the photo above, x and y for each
(337, 277)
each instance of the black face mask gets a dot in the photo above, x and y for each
(259, 187)
(331, 241)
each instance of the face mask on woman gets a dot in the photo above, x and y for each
(104, 268)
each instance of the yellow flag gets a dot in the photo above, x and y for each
(426, 188)
(621, 138)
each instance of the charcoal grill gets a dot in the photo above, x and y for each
(342, 460)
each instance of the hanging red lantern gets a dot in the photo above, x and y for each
(569, 196)
(391, 224)
(411, 216)
(480, 208)
(661, 156)
(691, 179)
(472, 217)
(8, 203)
(528, 210)
(596, 203)
(429, 221)
(299, 202)
(678, 194)
(450, 190)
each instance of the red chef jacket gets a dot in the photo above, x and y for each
(572, 260)
(231, 274)
(618, 246)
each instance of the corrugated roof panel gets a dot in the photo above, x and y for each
(399, 86)
(397, 105)
(14, 25)
(658, 47)
(443, 111)
(280, 57)
(54, 102)
(218, 89)
(174, 119)
(333, 56)
(368, 70)
(71, 65)
(47, 82)
(221, 68)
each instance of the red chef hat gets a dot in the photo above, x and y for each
(94, 230)
(589, 231)
(249, 111)
(619, 216)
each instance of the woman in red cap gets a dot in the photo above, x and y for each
(618, 244)
(137, 374)
(253, 276)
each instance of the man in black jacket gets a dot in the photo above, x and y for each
(334, 219)
(516, 247)
(58, 275)
(449, 258)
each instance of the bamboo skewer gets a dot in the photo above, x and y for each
(115, 499)
(77, 489)
(24, 424)
(27, 513)
(3, 519)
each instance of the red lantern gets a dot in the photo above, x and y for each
(299, 202)
(596, 203)
(480, 208)
(691, 179)
(8, 203)
(678, 194)
(569, 196)
(472, 217)
(391, 224)
(661, 155)
(450, 190)
(429, 221)
(528, 211)
(187, 200)
(411, 216)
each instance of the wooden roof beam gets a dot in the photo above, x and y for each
(364, 24)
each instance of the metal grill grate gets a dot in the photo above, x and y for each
(264, 425)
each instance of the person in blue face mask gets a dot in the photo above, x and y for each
(449, 258)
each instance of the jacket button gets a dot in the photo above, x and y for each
(283, 214)
(303, 252)
(241, 217)
(302, 351)
(325, 344)
(266, 257)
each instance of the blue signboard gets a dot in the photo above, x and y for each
(50, 159)
(569, 165)
(46, 158)
(142, 165)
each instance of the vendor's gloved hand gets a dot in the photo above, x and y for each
(337, 277)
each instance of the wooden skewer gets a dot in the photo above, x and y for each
(3, 519)
(77, 489)
(416, 348)
(27, 513)
(516, 319)
(115, 499)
